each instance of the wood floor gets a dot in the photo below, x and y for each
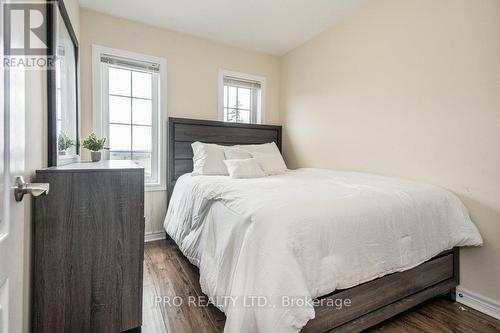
(168, 274)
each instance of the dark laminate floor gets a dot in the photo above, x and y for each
(168, 273)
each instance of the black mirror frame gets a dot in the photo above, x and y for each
(52, 151)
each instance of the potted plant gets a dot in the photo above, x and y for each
(95, 146)
(64, 142)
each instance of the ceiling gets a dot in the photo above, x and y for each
(269, 26)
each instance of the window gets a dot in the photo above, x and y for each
(127, 109)
(241, 97)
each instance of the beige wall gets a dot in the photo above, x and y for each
(192, 73)
(404, 88)
(409, 89)
(73, 9)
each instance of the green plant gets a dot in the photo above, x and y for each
(93, 143)
(64, 142)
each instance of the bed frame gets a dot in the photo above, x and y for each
(370, 303)
(183, 132)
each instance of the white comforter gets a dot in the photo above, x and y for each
(305, 234)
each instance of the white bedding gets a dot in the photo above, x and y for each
(305, 234)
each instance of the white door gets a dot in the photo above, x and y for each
(12, 137)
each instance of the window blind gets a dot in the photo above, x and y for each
(231, 81)
(130, 63)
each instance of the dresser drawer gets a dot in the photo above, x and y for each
(88, 243)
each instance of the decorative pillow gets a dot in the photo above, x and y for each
(268, 156)
(236, 154)
(244, 168)
(208, 159)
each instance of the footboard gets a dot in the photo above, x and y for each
(385, 297)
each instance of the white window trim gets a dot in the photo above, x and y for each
(261, 116)
(97, 104)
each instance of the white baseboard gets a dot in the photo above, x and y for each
(478, 302)
(154, 236)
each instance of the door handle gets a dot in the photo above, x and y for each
(35, 189)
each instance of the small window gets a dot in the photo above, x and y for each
(241, 98)
(130, 113)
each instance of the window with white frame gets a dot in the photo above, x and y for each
(242, 97)
(129, 110)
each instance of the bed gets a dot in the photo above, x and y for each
(274, 237)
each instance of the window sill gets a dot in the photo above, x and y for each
(154, 188)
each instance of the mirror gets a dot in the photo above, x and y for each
(63, 126)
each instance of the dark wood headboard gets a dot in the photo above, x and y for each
(183, 132)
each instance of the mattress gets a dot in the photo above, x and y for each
(268, 246)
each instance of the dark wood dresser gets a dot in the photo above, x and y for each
(88, 248)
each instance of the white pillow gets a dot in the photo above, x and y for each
(271, 163)
(268, 156)
(208, 159)
(244, 168)
(236, 154)
(263, 148)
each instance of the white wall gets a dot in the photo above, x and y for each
(192, 73)
(409, 89)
